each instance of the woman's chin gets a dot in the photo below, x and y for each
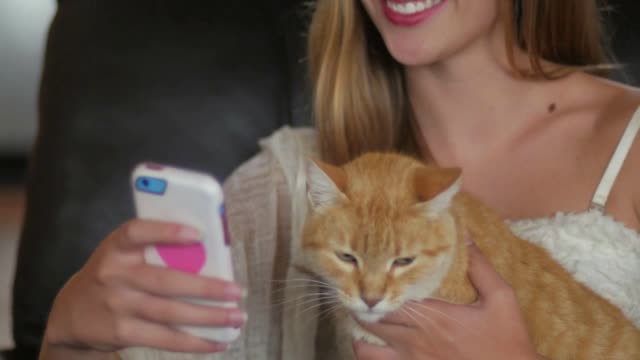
(410, 53)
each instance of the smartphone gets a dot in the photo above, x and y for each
(171, 194)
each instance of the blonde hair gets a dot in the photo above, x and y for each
(359, 96)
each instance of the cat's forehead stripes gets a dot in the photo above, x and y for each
(387, 240)
(378, 181)
(436, 251)
(375, 238)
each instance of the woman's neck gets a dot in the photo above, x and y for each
(472, 105)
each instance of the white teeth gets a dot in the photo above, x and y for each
(412, 7)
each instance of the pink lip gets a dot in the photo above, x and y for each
(409, 20)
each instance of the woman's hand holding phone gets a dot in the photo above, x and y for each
(164, 280)
(117, 300)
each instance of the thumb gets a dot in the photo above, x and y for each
(482, 275)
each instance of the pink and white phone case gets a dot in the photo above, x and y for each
(192, 198)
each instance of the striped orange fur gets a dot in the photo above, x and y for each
(385, 229)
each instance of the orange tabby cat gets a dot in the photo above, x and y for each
(386, 229)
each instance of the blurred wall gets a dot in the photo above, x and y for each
(23, 28)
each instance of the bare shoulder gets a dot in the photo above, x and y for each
(614, 113)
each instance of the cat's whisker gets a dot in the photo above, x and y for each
(312, 296)
(423, 306)
(283, 289)
(435, 298)
(315, 306)
(300, 284)
(301, 279)
(299, 314)
(279, 290)
(283, 293)
(431, 321)
(332, 307)
(305, 298)
(305, 304)
(315, 296)
(306, 280)
(412, 317)
(327, 312)
(307, 283)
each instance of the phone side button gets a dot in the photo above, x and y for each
(225, 226)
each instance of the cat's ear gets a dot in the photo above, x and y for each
(325, 183)
(436, 188)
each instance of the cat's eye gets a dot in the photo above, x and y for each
(348, 258)
(403, 261)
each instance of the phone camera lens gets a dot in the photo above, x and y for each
(151, 185)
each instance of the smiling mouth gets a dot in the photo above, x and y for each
(412, 7)
(410, 13)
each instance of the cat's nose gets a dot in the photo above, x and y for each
(371, 301)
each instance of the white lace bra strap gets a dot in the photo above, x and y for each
(615, 164)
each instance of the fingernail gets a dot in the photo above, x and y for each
(188, 233)
(235, 292)
(237, 319)
(217, 347)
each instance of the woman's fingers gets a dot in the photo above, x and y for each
(135, 332)
(169, 311)
(485, 279)
(138, 233)
(173, 283)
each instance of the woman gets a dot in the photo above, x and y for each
(505, 89)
